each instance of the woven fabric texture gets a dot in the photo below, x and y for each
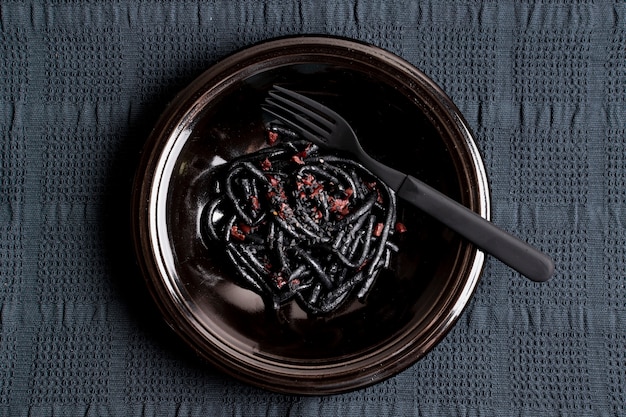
(541, 82)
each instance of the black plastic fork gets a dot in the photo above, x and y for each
(323, 126)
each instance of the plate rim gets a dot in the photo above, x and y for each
(276, 378)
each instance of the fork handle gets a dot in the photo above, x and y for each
(512, 251)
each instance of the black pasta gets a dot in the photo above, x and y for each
(297, 223)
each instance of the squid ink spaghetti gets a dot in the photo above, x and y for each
(298, 223)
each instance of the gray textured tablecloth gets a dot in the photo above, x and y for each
(543, 85)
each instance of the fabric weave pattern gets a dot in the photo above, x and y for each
(82, 82)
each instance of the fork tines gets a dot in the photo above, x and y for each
(299, 113)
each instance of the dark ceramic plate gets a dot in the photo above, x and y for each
(404, 120)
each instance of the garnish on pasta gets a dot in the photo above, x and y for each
(297, 222)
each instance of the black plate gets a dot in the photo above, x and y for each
(404, 120)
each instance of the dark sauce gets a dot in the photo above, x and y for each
(301, 223)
